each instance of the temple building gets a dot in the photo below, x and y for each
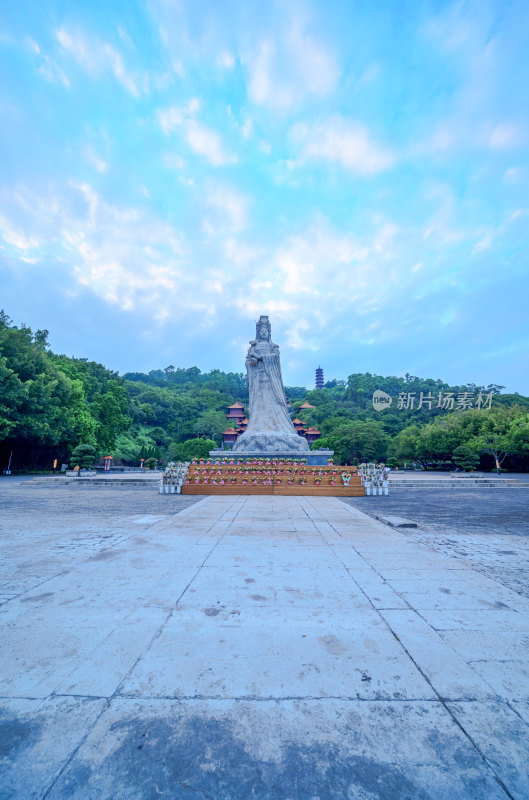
(235, 413)
(311, 434)
(229, 437)
(319, 378)
(305, 407)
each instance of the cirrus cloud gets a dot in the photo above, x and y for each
(341, 141)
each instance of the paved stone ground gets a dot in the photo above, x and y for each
(252, 647)
(480, 525)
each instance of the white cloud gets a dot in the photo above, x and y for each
(239, 253)
(478, 49)
(96, 161)
(202, 140)
(206, 142)
(226, 60)
(230, 205)
(464, 130)
(14, 236)
(297, 336)
(283, 70)
(341, 141)
(122, 254)
(247, 128)
(125, 255)
(33, 45)
(318, 262)
(95, 57)
(52, 71)
(384, 238)
(173, 117)
(174, 161)
(118, 68)
(483, 244)
(512, 174)
(48, 68)
(504, 135)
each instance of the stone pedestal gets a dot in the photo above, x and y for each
(314, 458)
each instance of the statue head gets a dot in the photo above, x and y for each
(263, 330)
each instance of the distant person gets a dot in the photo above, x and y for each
(498, 468)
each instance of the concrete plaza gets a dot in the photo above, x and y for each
(268, 647)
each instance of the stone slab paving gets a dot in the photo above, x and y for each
(487, 528)
(268, 647)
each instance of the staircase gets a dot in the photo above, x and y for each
(439, 482)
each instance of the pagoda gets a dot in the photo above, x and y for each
(235, 413)
(319, 378)
(237, 420)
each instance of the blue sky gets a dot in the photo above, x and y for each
(359, 171)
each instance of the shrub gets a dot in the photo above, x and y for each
(84, 455)
(465, 458)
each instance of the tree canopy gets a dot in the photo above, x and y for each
(50, 404)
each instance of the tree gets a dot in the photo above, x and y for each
(356, 441)
(84, 455)
(436, 442)
(518, 435)
(193, 448)
(494, 434)
(210, 423)
(465, 458)
(404, 445)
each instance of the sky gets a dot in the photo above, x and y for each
(172, 169)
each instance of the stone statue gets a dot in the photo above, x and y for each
(270, 429)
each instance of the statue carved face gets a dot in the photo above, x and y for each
(263, 333)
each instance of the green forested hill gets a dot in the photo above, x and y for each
(51, 403)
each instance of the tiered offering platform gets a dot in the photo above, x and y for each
(272, 478)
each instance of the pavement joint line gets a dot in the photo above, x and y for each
(108, 700)
(440, 698)
(349, 542)
(444, 702)
(243, 698)
(35, 586)
(76, 749)
(512, 706)
(479, 569)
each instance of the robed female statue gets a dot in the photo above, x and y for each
(270, 429)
